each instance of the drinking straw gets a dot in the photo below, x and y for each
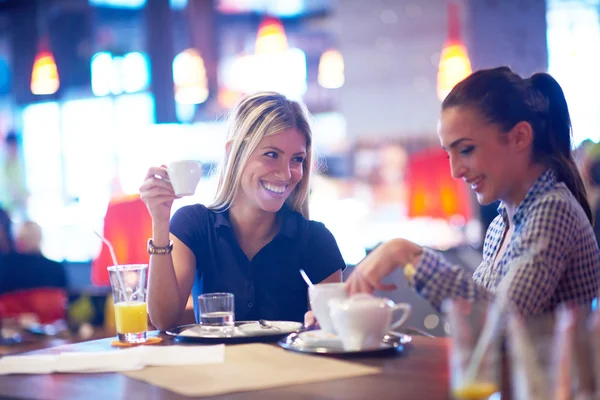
(497, 311)
(110, 248)
(530, 382)
(114, 260)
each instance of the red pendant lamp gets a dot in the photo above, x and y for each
(44, 75)
(454, 60)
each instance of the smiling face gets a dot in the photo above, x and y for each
(480, 154)
(273, 170)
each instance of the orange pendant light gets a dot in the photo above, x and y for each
(44, 75)
(454, 60)
(331, 69)
(270, 37)
(189, 75)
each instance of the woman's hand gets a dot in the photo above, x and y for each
(310, 321)
(158, 195)
(381, 262)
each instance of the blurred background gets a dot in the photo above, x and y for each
(93, 92)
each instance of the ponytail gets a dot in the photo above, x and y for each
(552, 142)
(505, 99)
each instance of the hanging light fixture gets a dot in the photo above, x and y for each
(44, 75)
(189, 75)
(454, 60)
(270, 37)
(331, 69)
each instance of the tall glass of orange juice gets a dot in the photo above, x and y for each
(466, 321)
(129, 285)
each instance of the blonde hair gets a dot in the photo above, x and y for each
(255, 117)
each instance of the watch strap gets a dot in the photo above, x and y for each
(152, 249)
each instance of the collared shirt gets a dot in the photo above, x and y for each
(553, 246)
(270, 285)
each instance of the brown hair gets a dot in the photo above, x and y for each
(505, 99)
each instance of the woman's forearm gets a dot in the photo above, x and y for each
(164, 298)
(436, 279)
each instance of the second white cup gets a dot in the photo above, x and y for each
(319, 296)
(184, 176)
(362, 320)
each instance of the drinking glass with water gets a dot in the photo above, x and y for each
(216, 311)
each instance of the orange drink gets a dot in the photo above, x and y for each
(129, 286)
(473, 375)
(475, 391)
(131, 317)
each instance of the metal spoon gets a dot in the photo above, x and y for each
(266, 324)
(306, 278)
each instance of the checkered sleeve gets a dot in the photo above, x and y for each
(539, 254)
(436, 280)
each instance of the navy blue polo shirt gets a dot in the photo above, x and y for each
(270, 285)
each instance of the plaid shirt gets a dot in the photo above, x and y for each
(553, 242)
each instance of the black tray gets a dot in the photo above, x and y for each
(245, 332)
(392, 344)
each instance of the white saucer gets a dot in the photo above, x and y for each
(247, 328)
(319, 338)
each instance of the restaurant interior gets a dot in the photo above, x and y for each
(98, 91)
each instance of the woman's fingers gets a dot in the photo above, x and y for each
(161, 173)
(351, 285)
(151, 189)
(358, 284)
(157, 197)
(365, 286)
(309, 319)
(153, 182)
(388, 287)
(162, 199)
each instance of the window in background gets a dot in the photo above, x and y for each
(574, 60)
(44, 173)
(87, 129)
(77, 155)
(42, 149)
(134, 4)
(118, 3)
(5, 77)
(281, 8)
(112, 74)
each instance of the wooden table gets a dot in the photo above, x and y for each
(31, 341)
(421, 372)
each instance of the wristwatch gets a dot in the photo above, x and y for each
(152, 249)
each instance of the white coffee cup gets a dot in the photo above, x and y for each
(184, 176)
(319, 296)
(362, 320)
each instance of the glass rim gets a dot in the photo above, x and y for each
(127, 267)
(215, 295)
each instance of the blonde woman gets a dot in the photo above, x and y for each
(256, 236)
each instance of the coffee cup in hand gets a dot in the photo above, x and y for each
(184, 176)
